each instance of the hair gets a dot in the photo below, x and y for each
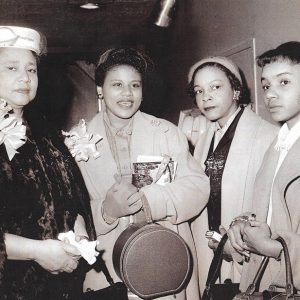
(289, 51)
(235, 83)
(122, 56)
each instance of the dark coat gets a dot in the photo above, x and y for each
(41, 193)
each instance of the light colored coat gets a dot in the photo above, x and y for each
(173, 204)
(252, 138)
(285, 220)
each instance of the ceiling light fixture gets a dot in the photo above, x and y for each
(165, 13)
(89, 5)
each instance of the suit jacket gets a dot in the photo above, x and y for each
(285, 220)
(172, 205)
(252, 138)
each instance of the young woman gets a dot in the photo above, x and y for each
(42, 191)
(276, 201)
(128, 133)
(230, 150)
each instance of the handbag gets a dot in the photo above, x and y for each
(269, 294)
(151, 260)
(219, 291)
(115, 291)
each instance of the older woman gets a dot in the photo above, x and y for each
(42, 191)
(128, 133)
(231, 151)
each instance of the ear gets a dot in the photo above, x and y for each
(99, 90)
(236, 95)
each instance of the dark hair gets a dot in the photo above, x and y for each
(289, 51)
(122, 56)
(235, 83)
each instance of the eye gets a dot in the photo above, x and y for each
(117, 84)
(32, 70)
(215, 87)
(284, 82)
(11, 68)
(198, 92)
(265, 87)
(136, 85)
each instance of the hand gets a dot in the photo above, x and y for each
(122, 199)
(257, 238)
(229, 252)
(235, 235)
(56, 256)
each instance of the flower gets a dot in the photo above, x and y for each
(12, 131)
(81, 144)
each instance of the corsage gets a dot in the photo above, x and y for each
(12, 131)
(81, 144)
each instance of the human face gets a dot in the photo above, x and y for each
(18, 77)
(122, 93)
(214, 94)
(281, 85)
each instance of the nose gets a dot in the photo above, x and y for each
(24, 76)
(127, 90)
(206, 96)
(270, 94)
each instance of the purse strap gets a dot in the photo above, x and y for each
(288, 270)
(215, 266)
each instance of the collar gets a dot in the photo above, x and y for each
(125, 130)
(228, 123)
(287, 137)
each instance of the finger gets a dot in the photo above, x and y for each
(254, 223)
(135, 207)
(222, 230)
(134, 198)
(213, 244)
(235, 238)
(70, 249)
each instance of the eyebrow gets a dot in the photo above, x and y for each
(278, 75)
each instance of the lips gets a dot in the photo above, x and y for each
(274, 108)
(23, 91)
(125, 103)
(209, 108)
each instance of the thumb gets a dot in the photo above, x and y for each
(70, 249)
(222, 230)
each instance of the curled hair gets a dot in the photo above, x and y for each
(122, 56)
(235, 83)
(289, 51)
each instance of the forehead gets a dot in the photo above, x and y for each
(278, 68)
(123, 71)
(210, 73)
(17, 55)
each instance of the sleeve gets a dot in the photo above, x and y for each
(187, 195)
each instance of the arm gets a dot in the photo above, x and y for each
(188, 194)
(52, 255)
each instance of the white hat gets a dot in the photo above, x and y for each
(21, 37)
(224, 61)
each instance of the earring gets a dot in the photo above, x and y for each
(100, 99)
(236, 95)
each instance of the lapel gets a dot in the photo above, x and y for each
(263, 183)
(289, 170)
(148, 136)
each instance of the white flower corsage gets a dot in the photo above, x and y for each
(12, 131)
(81, 144)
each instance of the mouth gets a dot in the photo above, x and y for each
(274, 108)
(125, 103)
(23, 91)
(209, 108)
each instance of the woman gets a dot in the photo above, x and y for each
(128, 133)
(230, 150)
(277, 185)
(42, 191)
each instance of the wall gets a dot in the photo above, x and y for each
(206, 27)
